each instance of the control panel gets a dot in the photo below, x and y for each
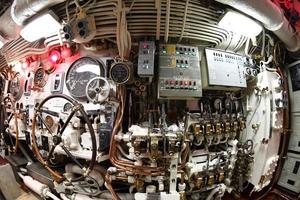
(222, 70)
(179, 72)
(146, 59)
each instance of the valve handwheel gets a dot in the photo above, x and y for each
(97, 90)
(9, 100)
(57, 140)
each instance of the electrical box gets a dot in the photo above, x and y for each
(222, 70)
(146, 59)
(290, 175)
(179, 72)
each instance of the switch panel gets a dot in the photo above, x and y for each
(57, 83)
(179, 72)
(146, 59)
(222, 70)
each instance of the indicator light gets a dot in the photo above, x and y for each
(54, 56)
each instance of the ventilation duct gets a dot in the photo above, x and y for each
(271, 17)
(22, 10)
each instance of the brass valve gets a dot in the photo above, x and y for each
(227, 128)
(218, 128)
(208, 129)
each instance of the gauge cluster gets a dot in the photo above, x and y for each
(145, 126)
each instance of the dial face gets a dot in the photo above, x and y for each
(119, 73)
(80, 73)
(49, 121)
(40, 77)
(67, 107)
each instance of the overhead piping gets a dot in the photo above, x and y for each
(271, 17)
(22, 10)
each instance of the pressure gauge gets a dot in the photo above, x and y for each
(120, 73)
(67, 107)
(40, 77)
(49, 121)
(80, 73)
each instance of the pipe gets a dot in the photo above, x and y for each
(37, 187)
(8, 29)
(271, 17)
(102, 196)
(22, 10)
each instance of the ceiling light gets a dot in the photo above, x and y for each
(240, 24)
(43, 26)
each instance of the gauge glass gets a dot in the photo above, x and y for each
(80, 73)
(40, 77)
(119, 73)
(67, 107)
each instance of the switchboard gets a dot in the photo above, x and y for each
(221, 70)
(179, 72)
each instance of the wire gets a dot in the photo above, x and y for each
(184, 20)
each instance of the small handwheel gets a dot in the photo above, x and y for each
(97, 90)
(57, 138)
(9, 104)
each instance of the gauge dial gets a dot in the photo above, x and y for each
(49, 121)
(67, 107)
(120, 73)
(80, 73)
(40, 77)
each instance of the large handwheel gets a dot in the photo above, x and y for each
(57, 138)
(9, 103)
(97, 90)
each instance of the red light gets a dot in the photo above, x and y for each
(54, 56)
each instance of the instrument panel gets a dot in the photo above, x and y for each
(157, 128)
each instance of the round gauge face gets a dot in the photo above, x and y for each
(49, 121)
(80, 73)
(119, 73)
(40, 77)
(67, 107)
